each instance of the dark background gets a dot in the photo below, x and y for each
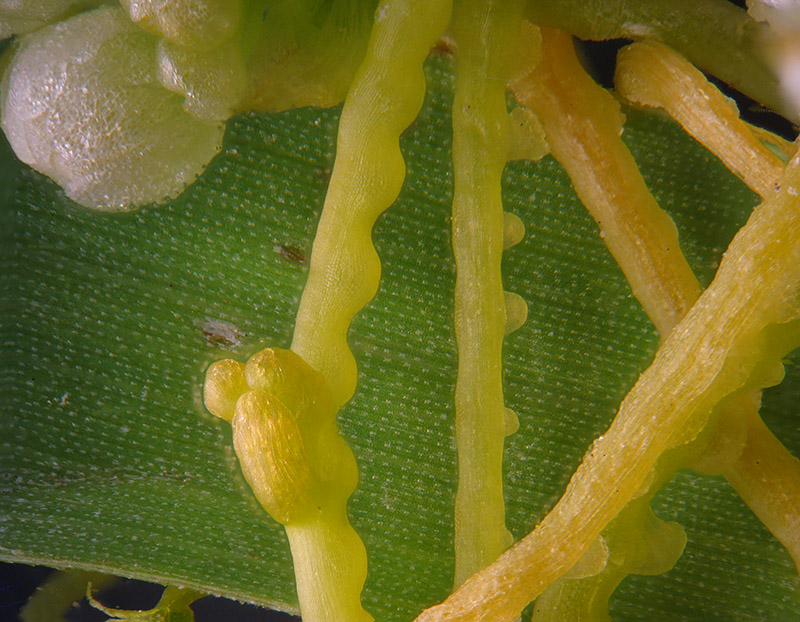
(19, 581)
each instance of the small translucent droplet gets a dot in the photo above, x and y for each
(513, 230)
(527, 140)
(512, 422)
(516, 312)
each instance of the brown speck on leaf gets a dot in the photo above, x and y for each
(223, 334)
(292, 253)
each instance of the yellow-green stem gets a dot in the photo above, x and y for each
(484, 34)
(731, 340)
(384, 99)
(283, 404)
(327, 553)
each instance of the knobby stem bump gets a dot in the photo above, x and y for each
(300, 470)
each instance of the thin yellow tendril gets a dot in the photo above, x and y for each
(645, 246)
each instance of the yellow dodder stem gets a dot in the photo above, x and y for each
(575, 113)
(652, 74)
(582, 123)
(385, 98)
(731, 340)
(484, 34)
(327, 553)
(656, 71)
(767, 477)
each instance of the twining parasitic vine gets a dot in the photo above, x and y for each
(480, 149)
(731, 340)
(651, 74)
(644, 74)
(608, 182)
(285, 434)
(197, 62)
(383, 101)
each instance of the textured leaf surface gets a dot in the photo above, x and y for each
(108, 460)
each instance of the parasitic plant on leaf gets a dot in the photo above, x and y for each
(125, 105)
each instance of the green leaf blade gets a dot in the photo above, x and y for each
(109, 461)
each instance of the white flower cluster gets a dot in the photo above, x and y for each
(121, 106)
(783, 43)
